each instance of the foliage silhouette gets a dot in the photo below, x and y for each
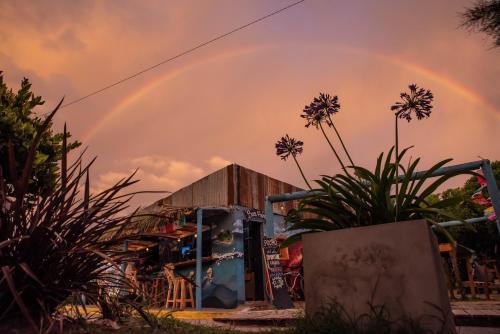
(368, 200)
(51, 243)
(19, 124)
(484, 16)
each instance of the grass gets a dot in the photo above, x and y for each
(332, 319)
(165, 325)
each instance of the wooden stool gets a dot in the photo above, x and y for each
(157, 291)
(185, 290)
(170, 300)
(451, 250)
(490, 274)
(143, 288)
(470, 283)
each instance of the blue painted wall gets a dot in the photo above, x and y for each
(223, 283)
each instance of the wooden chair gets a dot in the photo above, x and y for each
(179, 290)
(185, 290)
(157, 292)
(131, 275)
(453, 278)
(143, 288)
(491, 271)
(470, 283)
(490, 277)
(170, 300)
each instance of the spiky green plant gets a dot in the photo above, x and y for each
(346, 201)
(50, 246)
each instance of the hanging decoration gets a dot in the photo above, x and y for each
(479, 197)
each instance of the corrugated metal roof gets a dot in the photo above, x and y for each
(232, 185)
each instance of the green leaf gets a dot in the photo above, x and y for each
(40, 158)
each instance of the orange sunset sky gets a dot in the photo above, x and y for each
(230, 101)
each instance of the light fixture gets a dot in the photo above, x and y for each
(196, 235)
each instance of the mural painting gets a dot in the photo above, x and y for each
(221, 284)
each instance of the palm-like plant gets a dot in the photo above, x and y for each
(51, 246)
(368, 200)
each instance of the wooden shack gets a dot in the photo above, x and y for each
(229, 269)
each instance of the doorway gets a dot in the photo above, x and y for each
(254, 279)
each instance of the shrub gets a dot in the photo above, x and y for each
(50, 245)
(366, 199)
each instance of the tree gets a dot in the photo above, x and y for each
(484, 16)
(18, 127)
(466, 208)
(482, 237)
(471, 185)
(54, 247)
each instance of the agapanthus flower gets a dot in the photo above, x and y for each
(287, 146)
(418, 101)
(320, 110)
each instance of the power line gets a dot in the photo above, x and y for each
(180, 54)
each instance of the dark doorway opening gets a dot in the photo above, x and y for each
(254, 285)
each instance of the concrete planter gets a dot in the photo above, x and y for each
(396, 265)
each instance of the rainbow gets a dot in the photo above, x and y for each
(455, 86)
(164, 77)
(450, 84)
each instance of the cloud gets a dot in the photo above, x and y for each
(106, 181)
(156, 173)
(217, 162)
(65, 40)
(150, 162)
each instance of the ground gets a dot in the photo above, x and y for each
(252, 318)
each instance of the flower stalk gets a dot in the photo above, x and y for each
(286, 147)
(333, 149)
(341, 141)
(319, 112)
(419, 102)
(301, 172)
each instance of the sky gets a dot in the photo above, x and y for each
(231, 101)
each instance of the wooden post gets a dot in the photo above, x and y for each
(470, 276)
(199, 250)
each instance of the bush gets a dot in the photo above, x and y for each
(51, 246)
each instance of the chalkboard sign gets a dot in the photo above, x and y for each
(274, 274)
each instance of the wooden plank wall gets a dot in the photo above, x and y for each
(211, 190)
(254, 187)
(233, 185)
(208, 191)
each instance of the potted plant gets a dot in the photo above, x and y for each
(371, 264)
